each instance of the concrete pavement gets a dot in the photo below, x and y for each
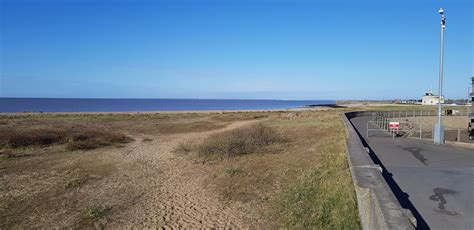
(435, 182)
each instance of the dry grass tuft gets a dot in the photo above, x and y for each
(184, 147)
(77, 180)
(97, 212)
(233, 171)
(240, 141)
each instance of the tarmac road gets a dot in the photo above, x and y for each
(435, 182)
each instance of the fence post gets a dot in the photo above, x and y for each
(367, 131)
(421, 113)
(421, 130)
(459, 135)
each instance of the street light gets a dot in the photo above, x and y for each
(439, 129)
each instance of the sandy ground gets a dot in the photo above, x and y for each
(173, 189)
(147, 184)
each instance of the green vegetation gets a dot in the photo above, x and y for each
(323, 196)
(97, 212)
(233, 171)
(323, 199)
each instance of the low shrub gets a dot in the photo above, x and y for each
(93, 139)
(240, 141)
(87, 138)
(17, 138)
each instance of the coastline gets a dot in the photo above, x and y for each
(65, 105)
(174, 111)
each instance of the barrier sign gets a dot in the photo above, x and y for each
(394, 125)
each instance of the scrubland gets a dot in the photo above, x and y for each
(190, 170)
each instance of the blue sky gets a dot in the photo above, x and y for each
(233, 49)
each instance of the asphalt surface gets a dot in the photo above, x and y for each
(435, 182)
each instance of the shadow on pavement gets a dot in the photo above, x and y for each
(401, 196)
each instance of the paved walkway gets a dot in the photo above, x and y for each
(435, 182)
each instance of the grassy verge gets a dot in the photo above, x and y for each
(322, 199)
(323, 196)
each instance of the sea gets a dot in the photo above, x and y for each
(138, 105)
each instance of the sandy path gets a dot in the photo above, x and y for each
(173, 189)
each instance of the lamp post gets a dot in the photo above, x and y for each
(439, 128)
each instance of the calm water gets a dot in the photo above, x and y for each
(124, 105)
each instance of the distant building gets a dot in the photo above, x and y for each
(471, 111)
(472, 93)
(408, 101)
(431, 99)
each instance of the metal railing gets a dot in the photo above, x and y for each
(421, 113)
(380, 121)
(380, 124)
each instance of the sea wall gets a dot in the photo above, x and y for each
(377, 204)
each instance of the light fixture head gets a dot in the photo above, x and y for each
(441, 11)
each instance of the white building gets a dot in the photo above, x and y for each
(431, 99)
